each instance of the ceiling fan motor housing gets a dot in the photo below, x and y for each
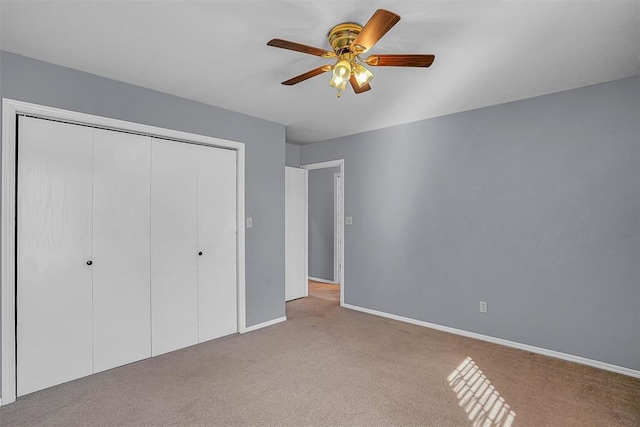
(342, 36)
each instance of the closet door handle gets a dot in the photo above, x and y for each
(89, 262)
(200, 253)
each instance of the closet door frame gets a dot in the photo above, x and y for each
(11, 109)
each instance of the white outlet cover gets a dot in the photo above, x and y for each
(483, 307)
(249, 222)
(348, 220)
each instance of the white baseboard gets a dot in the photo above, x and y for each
(526, 347)
(317, 279)
(264, 324)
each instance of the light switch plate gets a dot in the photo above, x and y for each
(348, 220)
(249, 222)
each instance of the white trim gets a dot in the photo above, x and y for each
(265, 324)
(317, 279)
(10, 109)
(336, 227)
(240, 240)
(324, 165)
(331, 164)
(526, 347)
(8, 245)
(306, 231)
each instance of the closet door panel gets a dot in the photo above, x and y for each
(174, 257)
(54, 312)
(217, 295)
(121, 260)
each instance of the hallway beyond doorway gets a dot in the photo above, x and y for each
(326, 291)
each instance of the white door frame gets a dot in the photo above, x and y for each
(11, 109)
(337, 214)
(325, 165)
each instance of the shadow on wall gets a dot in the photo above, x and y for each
(478, 397)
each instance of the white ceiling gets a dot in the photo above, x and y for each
(215, 52)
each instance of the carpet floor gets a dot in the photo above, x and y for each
(331, 366)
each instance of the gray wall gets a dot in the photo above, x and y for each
(321, 226)
(292, 155)
(532, 206)
(38, 82)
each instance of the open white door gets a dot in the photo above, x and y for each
(295, 233)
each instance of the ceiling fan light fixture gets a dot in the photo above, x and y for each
(341, 74)
(339, 86)
(348, 41)
(362, 75)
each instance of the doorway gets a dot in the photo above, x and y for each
(331, 272)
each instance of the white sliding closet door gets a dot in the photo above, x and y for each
(174, 243)
(217, 299)
(54, 244)
(121, 238)
(295, 233)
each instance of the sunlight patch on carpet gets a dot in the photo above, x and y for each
(481, 401)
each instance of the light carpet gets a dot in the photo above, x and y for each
(331, 366)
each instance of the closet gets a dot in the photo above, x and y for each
(126, 249)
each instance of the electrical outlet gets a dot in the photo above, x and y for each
(483, 306)
(249, 222)
(348, 220)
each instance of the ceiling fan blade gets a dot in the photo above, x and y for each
(381, 22)
(298, 47)
(356, 88)
(400, 60)
(308, 75)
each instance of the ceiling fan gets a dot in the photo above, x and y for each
(349, 41)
